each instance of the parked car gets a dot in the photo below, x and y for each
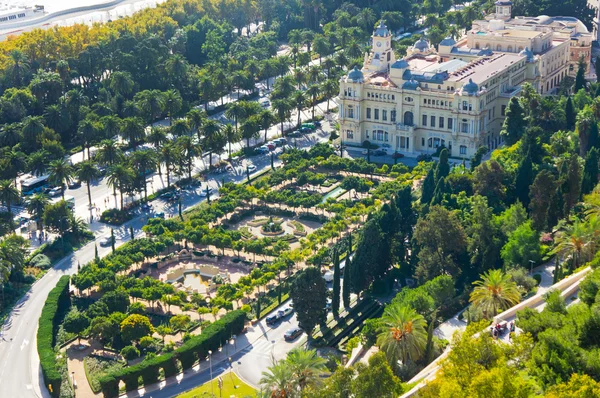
(365, 152)
(265, 103)
(271, 147)
(251, 168)
(285, 312)
(305, 130)
(280, 141)
(386, 145)
(292, 334)
(272, 319)
(295, 133)
(108, 241)
(261, 150)
(317, 123)
(159, 215)
(397, 155)
(379, 152)
(328, 304)
(74, 184)
(309, 125)
(146, 207)
(56, 191)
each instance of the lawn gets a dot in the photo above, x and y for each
(204, 390)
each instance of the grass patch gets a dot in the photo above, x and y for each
(230, 380)
(95, 367)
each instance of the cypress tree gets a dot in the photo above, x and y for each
(523, 180)
(594, 139)
(96, 256)
(597, 67)
(112, 240)
(346, 288)
(570, 113)
(515, 122)
(335, 300)
(440, 190)
(580, 77)
(443, 167)
(555, 209)
(590, 172)
(428, 188)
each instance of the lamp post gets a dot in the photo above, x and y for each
(531, 262)
(212, 389)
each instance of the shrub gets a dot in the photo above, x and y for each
(146, 342)
(109, 385)
(115, 216)
(56, 303)
(40, 261)
(130, 352)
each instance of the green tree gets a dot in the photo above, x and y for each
(309, 294)
(402, 333)
(132, 130)
(514, 124)
(120, 177)
(590, 172)
(88, 172)
(428, 187)
(335, 300)
(443, 167)
(61, 173)
(541, 194)
(376, 380)
(58, 218)
(570, 113)
(580, 82)
(9, 194)
(278, 379)
(483, 242)
(366, 262)
(523, 246)
(76, 322)
(495, 292)
(523, 179)
(35, 205)
(307, 367)
(136, 326)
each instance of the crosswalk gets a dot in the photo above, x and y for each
(261, 348)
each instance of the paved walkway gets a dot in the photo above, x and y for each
(76, 368)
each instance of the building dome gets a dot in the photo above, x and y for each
(410, 85)
(400, 64)
(527, 53)
(421, 45)
(448, 41)
(381, 30)
(470, 88)
(355, 75)
(407, 75)
(504, 3)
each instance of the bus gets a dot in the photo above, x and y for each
(34, 184)
(69, 199)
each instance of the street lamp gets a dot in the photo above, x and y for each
(531, 262)
(74, 383)
(212, 388)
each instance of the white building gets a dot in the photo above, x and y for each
(455, 96)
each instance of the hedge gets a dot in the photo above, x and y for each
(196, 348)
(57, 301)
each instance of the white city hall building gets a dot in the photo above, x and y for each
(455, 96)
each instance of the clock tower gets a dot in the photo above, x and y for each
(382, 55)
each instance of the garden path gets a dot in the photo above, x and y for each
(76, 368)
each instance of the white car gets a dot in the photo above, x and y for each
(328, 276)
(265, 103)
(108, 241)
(203, 191)
(285, 312)
(251, 168)
(56, 191)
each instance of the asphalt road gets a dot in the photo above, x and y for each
(20, 374)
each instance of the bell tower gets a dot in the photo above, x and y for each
(504, 9)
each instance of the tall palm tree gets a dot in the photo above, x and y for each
(108, 153)
(235, 110)
(173, 103)
(88, 131)
(88, 172)
(36, 205)
(188, 150)
(299, 101)
(16, 162)
(111, 126)
(266, 118)
(168, 155)
(313, 91)
(10, 135)
(278, 379)
(37, 162)
(250, 129)
(152, 102)
(61, 173)
(9, 194)
(196, 119)
(573, 241)
(119, 177)
(307, 367)
(157, 136)
(212, 130)
(18, 67)
(231, 135)
(283, 110)
(180, 127)
(121, 83)
(33, 127)
(402, 333)
(132, 130)
(145, 162)
(494, 292)
(330, 90)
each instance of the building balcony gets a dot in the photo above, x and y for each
(405, 128)
(510, 92)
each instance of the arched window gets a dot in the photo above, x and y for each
(498, 47)
(477, 46)
(509, 49)
(408, 118)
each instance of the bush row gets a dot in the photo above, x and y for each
(195, 349)
(57, 301)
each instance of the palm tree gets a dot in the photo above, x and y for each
(212, 130)
(37, 163)
(88, 172)
(266, 119)
(119, 177)
(283, 110)
(88, 130)
(168, 155)
(313, 91)
(189, 150)
(307, 367)
(402, 333)
(121, 83)
(61, 173)
(8, 193)
(235, 110)
(172, 103)
(145, 162)
(573, 241)
(250, 129)
(300, 77)
(108, 153)
(36, 205)
(111, 126)
(132, 130)
(180, 127)
(299, 101)
(157, 136)
(10, 135)
(330, 89)
(494, 292)
(231, 135)
(278, 379)
(33, 127)
(196, 119)
(18, 67)
(152, 102)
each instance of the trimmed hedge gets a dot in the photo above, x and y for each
(196, 348)
(58, 300)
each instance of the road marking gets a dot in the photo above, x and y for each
(24, 344)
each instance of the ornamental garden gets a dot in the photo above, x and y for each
(157, 305)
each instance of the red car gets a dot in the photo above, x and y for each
(271, 147)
